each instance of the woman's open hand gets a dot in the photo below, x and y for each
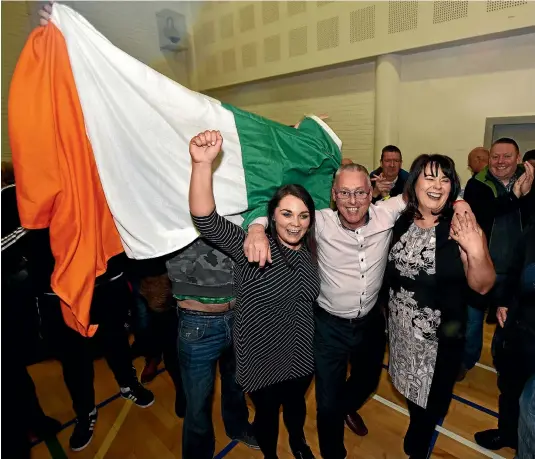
(467, 233)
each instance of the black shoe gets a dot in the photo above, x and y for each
(180, 407)
(463, 371)
(247, 439)
(408, 443)
(492, 439)
(303, 452)
(83, 431)
(138, 394)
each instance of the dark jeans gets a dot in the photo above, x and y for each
(109, 309)
(474, 325)
(337, 342)
(474, 337)
(204, 340)
(163, 329)
(267, 401)
(156, 334)
(514, 358)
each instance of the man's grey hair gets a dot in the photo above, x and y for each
(352, 168)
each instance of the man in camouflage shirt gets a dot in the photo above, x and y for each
(202, 284)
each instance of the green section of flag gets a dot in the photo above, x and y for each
(274, 154)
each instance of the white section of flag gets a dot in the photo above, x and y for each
(139, 123)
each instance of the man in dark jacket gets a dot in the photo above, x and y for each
(389, 179)
(502, 212)
(503, 202)
(514, 343)
(501, 198)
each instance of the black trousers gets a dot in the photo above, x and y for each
(337, 342)
(420, 432)
(109, 310)
(424, 420)
(18, 390)
(514, 358)
(267, 401)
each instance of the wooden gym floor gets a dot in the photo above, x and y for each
(124, 431)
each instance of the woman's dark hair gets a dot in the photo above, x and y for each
(309, 240)
(435, 162)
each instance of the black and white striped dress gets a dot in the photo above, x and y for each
(274, 319)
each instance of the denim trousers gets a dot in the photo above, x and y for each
(204, 340)
(474, 337)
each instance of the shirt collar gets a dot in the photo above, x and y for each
(368, 218)
(511, 182)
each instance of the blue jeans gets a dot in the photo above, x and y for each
(474, 337)
(526, 423)
(204, 340)
(474, 326)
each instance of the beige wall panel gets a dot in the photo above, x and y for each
(15, 30)
(295, 37)
(446, 95)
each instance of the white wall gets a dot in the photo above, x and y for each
(446, 95)
(132, 26)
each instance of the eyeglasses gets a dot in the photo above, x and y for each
(344, 195)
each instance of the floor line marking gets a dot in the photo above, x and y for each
(442, 430)
(227, 449)
(55, 449)
(486, 367)
(100, 405)
(475, 405)
(434, 438)
(232, 444)
(114, 430)
(467, 402)
(469, 443)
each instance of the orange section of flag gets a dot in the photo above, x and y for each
(58, 185)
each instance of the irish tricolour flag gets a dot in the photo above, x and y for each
(100, 148)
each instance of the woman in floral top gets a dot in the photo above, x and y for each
(435, 259)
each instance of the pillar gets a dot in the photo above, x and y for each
(387, 78)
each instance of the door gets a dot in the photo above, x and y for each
(523, 134)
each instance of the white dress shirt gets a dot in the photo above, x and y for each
(352, 262)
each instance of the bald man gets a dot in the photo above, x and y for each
(478, 158)
(346, 161)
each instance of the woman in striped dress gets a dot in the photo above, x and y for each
(274, 322)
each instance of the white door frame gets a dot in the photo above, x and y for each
(491, 122)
